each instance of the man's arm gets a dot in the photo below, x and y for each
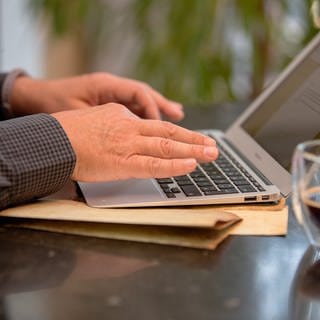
(36, 158)
(107, 142)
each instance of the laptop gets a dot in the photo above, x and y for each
(254, 152)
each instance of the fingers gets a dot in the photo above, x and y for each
(131, 92)
(134, 95)
(142, 98)
(147, 167)
(155, 128)
(170, 149)
(173, 110)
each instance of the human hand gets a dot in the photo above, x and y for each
(31, 96)
(111, 143)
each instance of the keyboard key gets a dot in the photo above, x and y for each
(197, 174)
(225, 186)
(220, 181)
(258, 186)
(209, 188)
(231, 190)
(217, 177)
(191, 191)
(247, 189)
(201, 179)
(175, 190)
(164, 186)
(204, 184)
(179, 178)
(170, 195)
(229, 171)
(238, 178)
(164, 180)
(226, 166)
(207, 165)
(212, 192)
(213, 172)
(185, 183)
(242, 183)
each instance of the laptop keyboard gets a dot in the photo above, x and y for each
(223, 176)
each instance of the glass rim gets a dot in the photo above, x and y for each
(308, 143)
(303, 146)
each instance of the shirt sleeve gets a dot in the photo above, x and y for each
(3, 115)
(36, 158)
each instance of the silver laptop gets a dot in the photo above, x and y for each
(255, 152)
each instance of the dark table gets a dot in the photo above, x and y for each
(53, 276)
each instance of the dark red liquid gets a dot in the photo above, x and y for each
(311, 199)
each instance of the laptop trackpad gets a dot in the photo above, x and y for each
(122, 192)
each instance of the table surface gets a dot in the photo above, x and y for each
(45, 275)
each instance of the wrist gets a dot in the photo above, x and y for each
(23, 96)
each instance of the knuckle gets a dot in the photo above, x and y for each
(166, 147)
(196, 151)
(121, 111)
(172, 167)
(139, 88)
(94, 77)
(146, 87)
(198, 138)
(154, 165)
(118, 167)
(122, 149)
(142, 85)
(170, 129)
(116, 105)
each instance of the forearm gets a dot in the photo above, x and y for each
(36, 158)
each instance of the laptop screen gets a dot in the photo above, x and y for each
(291, 113)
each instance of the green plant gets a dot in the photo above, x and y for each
(193, 51)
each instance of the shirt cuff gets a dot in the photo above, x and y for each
(3, 115)
(6, 91)
(36, 158)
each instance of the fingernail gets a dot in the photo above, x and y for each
(210, 151)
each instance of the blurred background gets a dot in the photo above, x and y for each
(199, 52)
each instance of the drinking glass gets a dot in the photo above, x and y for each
(306, 188)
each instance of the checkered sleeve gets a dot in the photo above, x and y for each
(36, 158)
